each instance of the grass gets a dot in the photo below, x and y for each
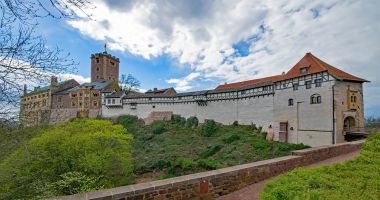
(357, 179)
(167, 149)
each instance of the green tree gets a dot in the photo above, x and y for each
(82, 152)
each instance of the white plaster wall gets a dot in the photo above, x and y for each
(307, 120)
(258, 110)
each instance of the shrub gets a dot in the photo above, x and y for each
(177, 119)
(185, 163)
(253, 126)
(228, 139)
(81, 148)
(209, 151)
(209, 128)
(235, 123)
(354, 179)
(209, 164)
(130, 122)
(192, 122)
(158, 128)
(75, 182)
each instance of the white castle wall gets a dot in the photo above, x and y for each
(311, 124)
(307, 123)
(256, 110)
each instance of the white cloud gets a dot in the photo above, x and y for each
(202, 33)
(183, 84)
(80, 79)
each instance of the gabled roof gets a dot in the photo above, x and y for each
(161, 91)
(98, 85)
(309, 61)
(249, 83)
(315, 65)
(38, 90)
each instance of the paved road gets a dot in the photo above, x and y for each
(252, 192)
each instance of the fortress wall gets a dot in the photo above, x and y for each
(258, 110)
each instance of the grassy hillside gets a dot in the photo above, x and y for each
(12, 138)
(357, 179)
(177, 147)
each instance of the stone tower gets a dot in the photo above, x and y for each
(104, 67)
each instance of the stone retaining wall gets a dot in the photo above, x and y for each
(212, 184)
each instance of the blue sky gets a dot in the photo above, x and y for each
(194, 45)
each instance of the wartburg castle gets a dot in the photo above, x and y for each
(313, 103)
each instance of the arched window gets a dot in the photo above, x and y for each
(315, 99)
(290, 102)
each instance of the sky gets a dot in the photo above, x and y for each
(198, 44)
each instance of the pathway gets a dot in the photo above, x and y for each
(252, 192)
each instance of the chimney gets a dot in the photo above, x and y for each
(54, 81)
(25, 89)
(155, 89)
(283, 73)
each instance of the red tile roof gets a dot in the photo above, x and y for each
(237, 85)
(315, 65)
(309, 61)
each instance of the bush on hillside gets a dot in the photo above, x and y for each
(209, 164)
(158, 128)
(80, 155)
(209, 151)
(192, 122)
(355, 179)
(229, 138)
(130, 122)
(209, 128)
(177, 119)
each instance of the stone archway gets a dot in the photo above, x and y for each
(349, 122)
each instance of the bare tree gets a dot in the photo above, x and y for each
(128, 83)
(25, 57)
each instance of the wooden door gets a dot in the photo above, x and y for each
(283, 134)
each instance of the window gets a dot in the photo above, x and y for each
(354, 99)
(73, 94)
(95, 94)
(95, 103)
(308, 84)
(73, 104)
(290, 102)
(318, 82)
(113, 101)
(112, 63)
(304, 70)
(59, 99)
(80, 94)
(295, 86)
(153, 106)
(109, 101)
(243, 92)
(97, 69)
(97, 60)
(315, 99)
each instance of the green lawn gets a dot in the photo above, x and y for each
(357, 179)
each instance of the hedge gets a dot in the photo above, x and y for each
(355, 179)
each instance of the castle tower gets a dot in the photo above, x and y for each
(104, 67)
